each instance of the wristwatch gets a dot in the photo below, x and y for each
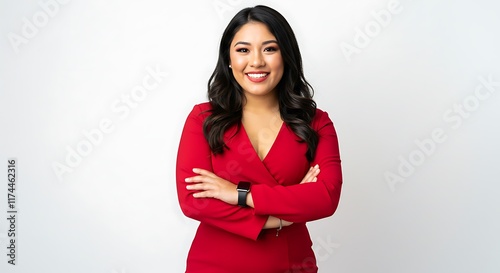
(243, 190)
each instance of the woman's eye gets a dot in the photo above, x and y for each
(242, 50)
(270, 49)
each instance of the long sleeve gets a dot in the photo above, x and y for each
(310, 201)
(194, 152)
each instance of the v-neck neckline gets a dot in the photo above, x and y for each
(256, 153)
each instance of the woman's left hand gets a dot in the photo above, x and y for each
(210, 185)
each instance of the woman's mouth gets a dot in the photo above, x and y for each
(257, 77)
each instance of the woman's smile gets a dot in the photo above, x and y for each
(257, 76)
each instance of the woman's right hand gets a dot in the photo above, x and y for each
(311, 175)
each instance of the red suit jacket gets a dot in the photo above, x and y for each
(230, 239)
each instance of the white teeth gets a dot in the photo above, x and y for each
(255, 76)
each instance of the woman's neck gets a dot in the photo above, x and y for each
(261, 104)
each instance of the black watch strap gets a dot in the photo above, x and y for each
(243, 190)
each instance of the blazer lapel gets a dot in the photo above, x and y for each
(242, 151)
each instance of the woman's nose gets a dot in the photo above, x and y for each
(257, 59)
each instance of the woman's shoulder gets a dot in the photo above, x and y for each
(203, 106)
(319, 112)
(320, 119)
(201, 110)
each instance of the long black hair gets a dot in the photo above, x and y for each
(297, 108)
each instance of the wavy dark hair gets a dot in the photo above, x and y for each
(296, 106)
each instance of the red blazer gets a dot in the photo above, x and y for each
(229, 238)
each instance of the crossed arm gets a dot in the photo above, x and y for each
(208, 198)
(208, 185)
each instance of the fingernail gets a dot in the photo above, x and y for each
(316, 166)
(187, 179)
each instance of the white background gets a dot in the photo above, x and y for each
(117, 211)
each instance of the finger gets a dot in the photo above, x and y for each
(311, 176)
(312, 173)
(199, 178)
(314, 177)
(203, 194)
(204, 172)
(307, 177)
(200, 187)
(311, 180)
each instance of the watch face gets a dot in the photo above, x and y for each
(243, 186)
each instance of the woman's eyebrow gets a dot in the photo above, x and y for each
(263, 43)
(269, 42)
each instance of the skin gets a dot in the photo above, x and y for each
(254, 50)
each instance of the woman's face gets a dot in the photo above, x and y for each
(255, 58)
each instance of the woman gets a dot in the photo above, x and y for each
(248, 160)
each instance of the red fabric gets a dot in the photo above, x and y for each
(229, 238)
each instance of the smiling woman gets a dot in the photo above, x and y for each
(248, 164)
